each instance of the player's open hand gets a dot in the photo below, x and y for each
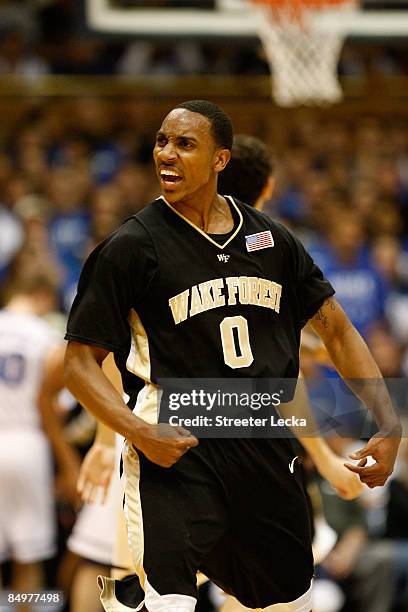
(96, 472)
(164, 444)
(384, 452)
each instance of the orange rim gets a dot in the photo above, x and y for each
(316, 4)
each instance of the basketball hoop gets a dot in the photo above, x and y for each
(302, 52)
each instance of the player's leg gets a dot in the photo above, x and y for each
(85, 591)
(269, 559)
(31, 526)
(232, 605)
(27, 578)
(281, 568)
(174, 517)
(301, 604)
(29, 519)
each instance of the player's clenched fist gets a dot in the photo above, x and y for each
(164, 444)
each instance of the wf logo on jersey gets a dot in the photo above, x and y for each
(222, 257)
(258, 241)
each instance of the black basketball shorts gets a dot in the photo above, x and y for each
(234, 509)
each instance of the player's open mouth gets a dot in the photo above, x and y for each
(169, 177)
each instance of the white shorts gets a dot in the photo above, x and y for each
(94, 534)
(27, 513)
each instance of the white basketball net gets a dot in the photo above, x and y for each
(303, 54)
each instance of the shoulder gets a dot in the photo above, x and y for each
(136, 229)
(131, 233)
(130, 242)
(152, 213)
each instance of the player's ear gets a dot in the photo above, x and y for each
(221, 159)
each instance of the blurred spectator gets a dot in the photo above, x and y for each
(390, 259)
(385, 219)
(386, 253)
(145, 57)
(344, 259)
(386, 351)
(290, 195)
(107, 213)
(34, 212)
(364, 198)
(70, 224)
(93, 140)
(137, 184)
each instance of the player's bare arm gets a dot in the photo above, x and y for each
(66, 457)
(84, 377)
(354, 362)
(99, 462)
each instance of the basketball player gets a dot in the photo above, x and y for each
(249, 177)
(156, 295)
(30, 378)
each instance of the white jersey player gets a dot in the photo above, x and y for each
(30, 377)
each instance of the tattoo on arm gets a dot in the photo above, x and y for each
(321, 314)
(322, 317)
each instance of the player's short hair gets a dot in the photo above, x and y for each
(40, 282)
(248, 170)
(221, 123)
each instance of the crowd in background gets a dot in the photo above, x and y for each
(72, 170)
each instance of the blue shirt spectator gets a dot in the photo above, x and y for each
(344, 260)
(360, 289)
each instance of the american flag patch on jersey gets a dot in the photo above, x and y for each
(258, 241)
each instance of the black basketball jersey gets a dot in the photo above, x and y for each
(174, 302)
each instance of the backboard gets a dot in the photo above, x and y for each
(229, 18)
